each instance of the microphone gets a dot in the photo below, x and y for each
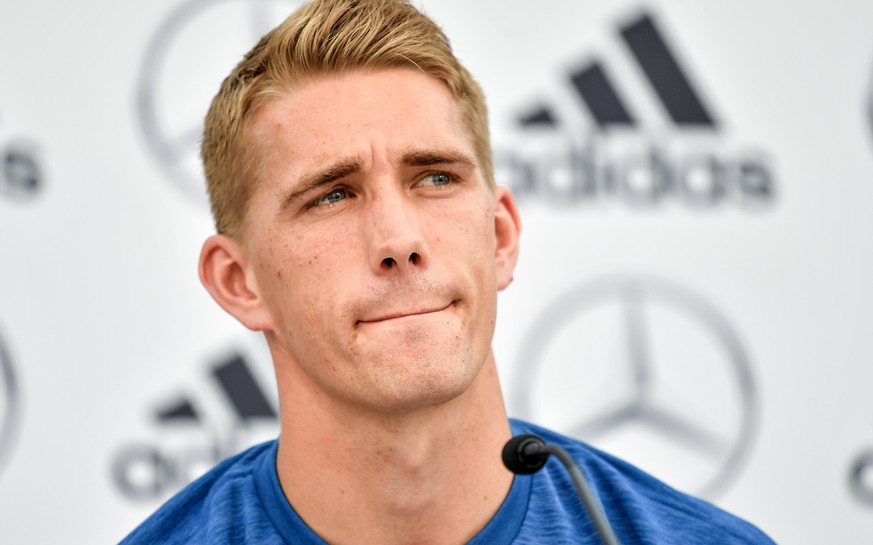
(526, 454)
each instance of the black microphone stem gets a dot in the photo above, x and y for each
(595, 513)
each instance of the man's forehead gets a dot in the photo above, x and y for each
(346, 115)
(374, 91)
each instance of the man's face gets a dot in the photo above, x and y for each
(372, 239)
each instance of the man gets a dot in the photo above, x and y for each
(360, 229)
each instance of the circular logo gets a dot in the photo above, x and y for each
(8, 404)
(21, 173)
(648, 371)
(861, 477)
(191, 52)
(870, 106)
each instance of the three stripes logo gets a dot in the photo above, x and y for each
(189, 442)
(604, 149)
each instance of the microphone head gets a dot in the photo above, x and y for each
(524, 455)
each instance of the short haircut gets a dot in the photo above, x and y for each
(323, 37)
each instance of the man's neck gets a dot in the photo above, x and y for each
(429, 477)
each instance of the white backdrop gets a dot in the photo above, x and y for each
(694, 292)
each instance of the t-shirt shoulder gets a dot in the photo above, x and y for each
(642, 508)
(199, 512)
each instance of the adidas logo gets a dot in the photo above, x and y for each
(237, 382)
(190, 440)
(602, 150)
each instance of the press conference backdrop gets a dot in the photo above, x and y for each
(695, 290)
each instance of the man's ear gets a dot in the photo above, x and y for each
(507, 227)
(224, 272)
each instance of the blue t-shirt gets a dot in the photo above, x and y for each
(240, 501)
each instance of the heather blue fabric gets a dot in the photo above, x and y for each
(240, 501)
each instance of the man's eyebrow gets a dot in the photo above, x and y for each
(423, 158)
(313, 180)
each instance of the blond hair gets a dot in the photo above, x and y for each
(325, 36)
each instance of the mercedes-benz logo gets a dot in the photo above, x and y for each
(190, 53)
(861, 477)
(21, 173)
(648, 371)
(8, 404)
(870, 106)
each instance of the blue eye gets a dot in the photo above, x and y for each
(334, 196)
(437, 179)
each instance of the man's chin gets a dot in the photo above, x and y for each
(428, 386)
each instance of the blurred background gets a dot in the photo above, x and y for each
(695, 291)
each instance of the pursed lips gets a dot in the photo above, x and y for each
(404, 314)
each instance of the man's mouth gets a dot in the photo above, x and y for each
(395, 315)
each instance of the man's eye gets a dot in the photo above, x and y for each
(332, 197)
(436, 179)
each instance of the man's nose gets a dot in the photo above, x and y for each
(394, 225)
